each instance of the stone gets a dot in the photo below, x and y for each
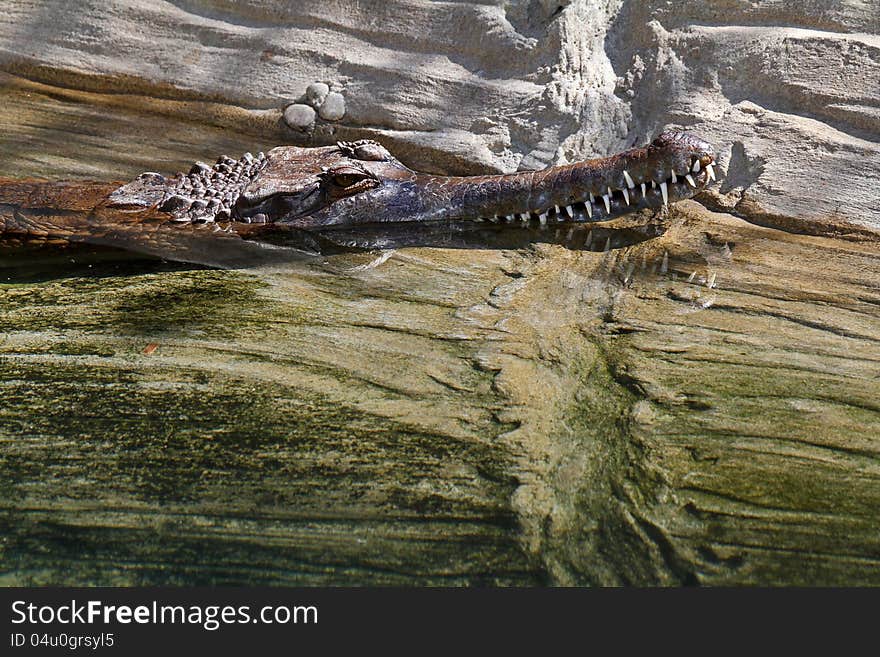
(299, 117)
(316, 93)
(333, 107)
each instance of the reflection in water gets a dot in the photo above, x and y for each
(129, 249)
(467, 235)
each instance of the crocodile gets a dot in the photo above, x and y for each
(335, 192)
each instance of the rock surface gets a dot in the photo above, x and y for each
(697, 408)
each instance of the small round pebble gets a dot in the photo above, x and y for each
(333, 107)
(316, 93)
(299, 117)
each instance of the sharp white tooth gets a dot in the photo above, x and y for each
(625, 195)
(568, 211)
(674, 177)
(524, 216)
(510, 217)
(592, 198)
(607, 200)
(692, 277)
(653, 184)
(696, 167)
(589, 241)
(589, 207)
(543, 218)
(556, 210)
(607, 244)
(665, 192)
(644, 190)
(629, 180)
(690, 180)
(710, 170)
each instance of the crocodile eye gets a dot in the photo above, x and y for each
(348, 176)
(348, 179)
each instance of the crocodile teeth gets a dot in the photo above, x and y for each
(607, 245)
(625, 195)
(543, 218)
(644, 190)
(510, 217)
(665, 192)
(589, 241)
(607, 200)
(696, 167)
(653, 184)
(592, 198)
(690, 180)
(589, 207)
(568, 211)
(629, 180)
(524, 216)
(674, 177)
(710, 170)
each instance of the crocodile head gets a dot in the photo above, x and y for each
(352, 182)
(360, 182)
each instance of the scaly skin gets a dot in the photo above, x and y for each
(338, 188)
